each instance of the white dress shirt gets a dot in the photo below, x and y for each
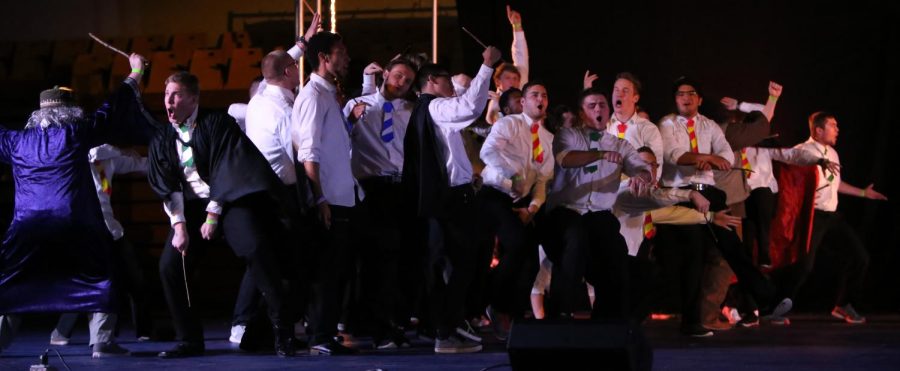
(320, 131)
(239, 112)
(581, 189)
(827, 190)
(630, 209)
(761, 163)
(640, 132)
(107, 161)
(710, 140)
(507, 151)
(269, 128)
(372, 156)
(452, 115)
(174, 206)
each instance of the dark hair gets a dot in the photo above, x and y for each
(505, 67)
(646, 149)
(427, 71)
(634, 81)
(532, 83)
(186, 80)
(818, 119)
(507, 96)
(401, 61)
(591, 91)
(555, 117)
(321, 42)
(687, 81)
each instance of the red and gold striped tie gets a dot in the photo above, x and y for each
(692, 135)
(649, 228)
(745, 163)
(105, 187)
(537, 151)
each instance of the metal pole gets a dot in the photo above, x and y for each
(434, 32)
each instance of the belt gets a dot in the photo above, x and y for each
(697, 187)
(385, 179)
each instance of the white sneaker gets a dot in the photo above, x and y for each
(57, 339)
(732, 314)
(237, 333)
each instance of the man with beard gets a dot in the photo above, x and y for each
(321, 134)
(379, 127)
(57, 253)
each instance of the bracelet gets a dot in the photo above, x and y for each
(515, 177)
(211, 221)
(863, 193)
(773, 98)
(302, 40)
(517, 26)
(136, 70)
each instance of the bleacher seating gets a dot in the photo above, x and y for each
(244, 68)
(210, 67)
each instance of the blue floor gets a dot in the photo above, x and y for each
(811, 342)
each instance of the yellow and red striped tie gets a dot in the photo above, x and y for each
(622, 127)
(745, 163)
(692, 135)
(537, 150)
(649, 228)
(104, 181)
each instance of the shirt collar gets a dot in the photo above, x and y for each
(615, 120)
(822, 148)
(190, 120)
(684, 120)
(327, 85)
(275, 90)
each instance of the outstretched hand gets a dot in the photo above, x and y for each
(514, 17)
(588, 80)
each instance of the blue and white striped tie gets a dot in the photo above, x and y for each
(387, 127)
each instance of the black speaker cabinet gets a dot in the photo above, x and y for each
(578, 345)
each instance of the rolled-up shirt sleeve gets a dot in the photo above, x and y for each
(174, 208)
(307, 120)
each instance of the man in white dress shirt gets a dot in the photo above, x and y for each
(379, 127)
(518, 157)
(437, 179)
(827, 222)
(321, 134)
(585, 241)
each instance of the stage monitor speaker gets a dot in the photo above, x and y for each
(578, 345)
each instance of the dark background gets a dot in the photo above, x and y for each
(841, 58)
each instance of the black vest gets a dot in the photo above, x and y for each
(425, 179)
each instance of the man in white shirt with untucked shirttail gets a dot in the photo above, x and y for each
(379, 127)
(827, 222)
(585, 238)
(437, 178)
(695, 146)
(321, 134)
(267, 122)
(518, 157)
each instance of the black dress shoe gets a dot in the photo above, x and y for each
(331, 348)
(183, 350)
(284, 341)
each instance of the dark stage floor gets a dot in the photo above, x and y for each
(811, 342)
